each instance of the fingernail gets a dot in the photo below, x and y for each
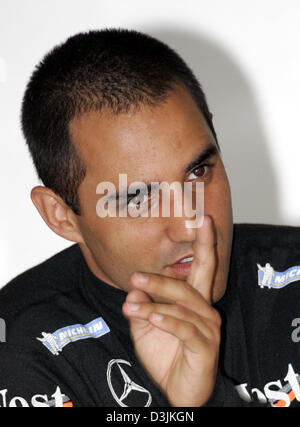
(141, 278)
(133, 306)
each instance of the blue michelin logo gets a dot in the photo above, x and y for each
(57, 340)
(268, 277)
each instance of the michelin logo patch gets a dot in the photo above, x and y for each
(57, 340)
(267, 276)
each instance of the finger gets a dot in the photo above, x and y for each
(185, 331)
(208, 327)
(201, 275)
(138, 326)
(137, 296)
(173, 291)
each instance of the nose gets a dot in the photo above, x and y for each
(177, 230)
(183, 228)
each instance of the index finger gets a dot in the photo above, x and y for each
(201, 275)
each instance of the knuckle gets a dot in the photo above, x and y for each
(217, 336)
(182, 293)
(215, 327)
(189, 291)
(214, 338)
(216, 317)
(192, 331)
(180, 310)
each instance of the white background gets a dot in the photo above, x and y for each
(246, 55)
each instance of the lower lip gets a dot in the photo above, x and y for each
(182, 269)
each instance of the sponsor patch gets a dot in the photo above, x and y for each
(268, 277)
(276, 393)
(57, 340)
(59, 400)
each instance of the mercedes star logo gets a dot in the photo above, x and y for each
(129, 385)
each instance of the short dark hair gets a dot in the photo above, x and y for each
(112, 68)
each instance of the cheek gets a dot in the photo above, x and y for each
(218, 206)
(123, 243)
(217, 201)
(136, 240)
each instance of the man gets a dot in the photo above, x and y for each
(131, 314)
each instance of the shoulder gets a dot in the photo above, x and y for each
(265, 242)
(277, 247)
(264, 234)
(264, 269)
(39, 284)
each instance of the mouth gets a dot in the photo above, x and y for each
(182, 266)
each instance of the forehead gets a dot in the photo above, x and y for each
(151, 143)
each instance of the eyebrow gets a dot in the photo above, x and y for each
(208, 152)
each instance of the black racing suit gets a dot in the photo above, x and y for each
(68, 344)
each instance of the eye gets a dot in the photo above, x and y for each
(201, 171)
(138, 200)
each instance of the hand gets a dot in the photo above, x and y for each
(178, 341)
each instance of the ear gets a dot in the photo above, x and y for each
(56, 214)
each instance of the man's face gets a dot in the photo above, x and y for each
(153, 144)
